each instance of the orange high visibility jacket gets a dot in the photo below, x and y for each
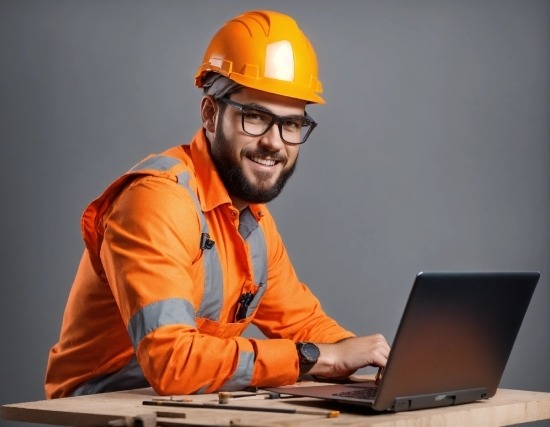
(155, 300)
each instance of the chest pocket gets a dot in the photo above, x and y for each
(236, 328)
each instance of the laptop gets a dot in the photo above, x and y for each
(451, 346)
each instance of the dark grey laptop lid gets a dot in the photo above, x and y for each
(456, 334)
(452, 344)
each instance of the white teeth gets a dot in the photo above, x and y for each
(265, 162)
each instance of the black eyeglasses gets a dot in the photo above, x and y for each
(256, 121)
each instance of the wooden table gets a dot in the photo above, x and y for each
(505, 408)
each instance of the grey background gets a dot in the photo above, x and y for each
(432, 151)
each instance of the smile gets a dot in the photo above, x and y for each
(264, 162)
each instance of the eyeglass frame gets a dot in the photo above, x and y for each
(274, 119)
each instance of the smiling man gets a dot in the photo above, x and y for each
(181, 253)
(258, 156)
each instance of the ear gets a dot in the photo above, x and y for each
(209, 108)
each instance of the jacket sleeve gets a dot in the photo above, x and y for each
(289, 309)
(149, 255)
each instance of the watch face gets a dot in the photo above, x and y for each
(310, 352)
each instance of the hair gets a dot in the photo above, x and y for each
(218, 86)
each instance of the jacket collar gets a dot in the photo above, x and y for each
(211, 190)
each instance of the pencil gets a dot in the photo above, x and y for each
(327, 414)
(379, 376)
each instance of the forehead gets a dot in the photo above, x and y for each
(278, 104)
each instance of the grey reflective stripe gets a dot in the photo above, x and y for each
(243, 374)
(258, 253)
(173, 311)
(251, 231)
(183, 180)
(247, 223)
(158, 163)
(256, 299)
(212, 299)
(129, 377)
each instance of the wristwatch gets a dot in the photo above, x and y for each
(308, 354)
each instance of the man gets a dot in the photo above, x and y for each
(182, 254)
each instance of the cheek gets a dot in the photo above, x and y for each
(230, 126)
(292, 152)
(234, 138)
(226, 146)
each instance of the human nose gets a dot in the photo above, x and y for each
(272, 139)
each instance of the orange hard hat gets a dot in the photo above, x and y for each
(267, 51)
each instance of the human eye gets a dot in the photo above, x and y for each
(293, 124)
(256, 116)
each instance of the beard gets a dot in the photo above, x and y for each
(234, 178)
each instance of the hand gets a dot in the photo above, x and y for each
(343, 358)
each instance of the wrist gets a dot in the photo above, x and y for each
(326, 361)
(308, 355)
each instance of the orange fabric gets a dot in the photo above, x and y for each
(142, 246)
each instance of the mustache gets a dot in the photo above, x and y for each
(263, 153)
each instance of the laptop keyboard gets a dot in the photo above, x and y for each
(368, 393)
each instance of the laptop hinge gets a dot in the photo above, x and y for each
(421, 401)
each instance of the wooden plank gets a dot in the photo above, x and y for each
(505, 408)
